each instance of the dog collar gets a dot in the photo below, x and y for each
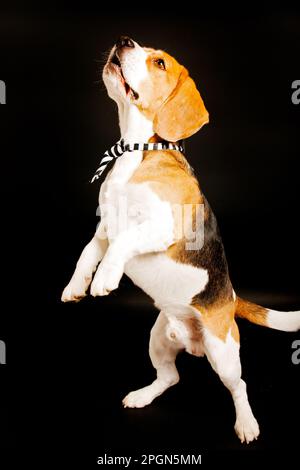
(121, 147)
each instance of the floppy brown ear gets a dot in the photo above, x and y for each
(183, 113)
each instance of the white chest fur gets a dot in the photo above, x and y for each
(119, 175)
(113, 197)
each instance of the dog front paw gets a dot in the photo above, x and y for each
(106, 279)
(75, 290)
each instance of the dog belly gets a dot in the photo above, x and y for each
(165, 280)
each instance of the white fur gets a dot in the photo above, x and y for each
(225, 360)
(134, 69)
(163, 353)
(180, 331)
(151, 230)
(86, 265)
(134, 66)
(165, 280)
(284, 321)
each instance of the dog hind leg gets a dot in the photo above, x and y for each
(225, 360)
(163, 352)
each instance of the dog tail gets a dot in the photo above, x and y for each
(283, 321)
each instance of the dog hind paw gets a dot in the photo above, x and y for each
(138, 398)
(247, 429)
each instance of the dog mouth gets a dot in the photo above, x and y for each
(128, 90)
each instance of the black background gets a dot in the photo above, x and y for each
(69, 366)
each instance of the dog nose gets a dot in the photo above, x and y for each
(124, 41)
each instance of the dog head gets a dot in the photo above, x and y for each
(158, 85)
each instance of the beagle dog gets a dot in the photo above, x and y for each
(189, 282)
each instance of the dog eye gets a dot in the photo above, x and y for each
(161, 64)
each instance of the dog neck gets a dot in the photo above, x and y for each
(134, 126)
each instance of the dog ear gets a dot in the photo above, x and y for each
(183, 113)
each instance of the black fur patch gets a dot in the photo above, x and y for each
(212, 258)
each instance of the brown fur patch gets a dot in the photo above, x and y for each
(235, 332)
(183, 113)
(252, 312)
(159, 85)
(194, 327)
(219, 320)
(169, 98)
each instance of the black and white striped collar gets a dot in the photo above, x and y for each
(121, 147)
